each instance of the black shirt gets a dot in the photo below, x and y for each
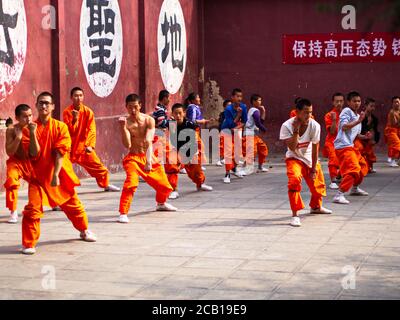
(372, 125)
(183, 137)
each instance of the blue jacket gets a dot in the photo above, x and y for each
(230, 115)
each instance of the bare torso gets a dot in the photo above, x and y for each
(141, 131)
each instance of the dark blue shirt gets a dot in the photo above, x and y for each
(230, 115)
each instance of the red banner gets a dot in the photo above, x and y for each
(341, 47)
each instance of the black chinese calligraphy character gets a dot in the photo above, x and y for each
(97, 23)
(101, 53)
(8, 22)
(175, 45)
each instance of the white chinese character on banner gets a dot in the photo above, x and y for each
(315, 48)
(396, 47)
(347, 48)
(363, 48)
(299, 49)
(331, 50)
(379, 47)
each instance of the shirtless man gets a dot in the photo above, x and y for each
(137, 131)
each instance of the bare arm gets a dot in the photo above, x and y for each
(333, 126)
(34, 147)
(149, 143)
(126, 136)
(13, 139)
(57, 169)
(315, 151)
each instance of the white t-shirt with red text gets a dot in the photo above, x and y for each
(303, 150)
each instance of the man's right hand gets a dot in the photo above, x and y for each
(75, 114)
(333, 115)
(32, 127)
(296, 124)
(122, 122)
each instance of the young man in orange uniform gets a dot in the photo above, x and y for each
(137, 131)
(392, 133)
(331, 123)
(302, 135)
(82, 128)
(49, 146)
(353, 167)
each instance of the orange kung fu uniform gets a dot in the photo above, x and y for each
(392, 139)
(366, 150)
(52, 137)
(18, 167)
(134, 165)
(329, 148)
(83, 134)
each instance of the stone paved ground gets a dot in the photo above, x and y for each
(233, 243)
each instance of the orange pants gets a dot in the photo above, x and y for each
(201, 147)
(353, 167)
(33, 212)
(232, 148)
(367, 151)
(15, 171)
(253, 146)
(134, 165)
(92, 164)
(333, 163)
(392, 138)
(194, 172)
(296, 171)
(221, 146)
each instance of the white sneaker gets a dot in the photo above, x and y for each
(389, 160)
(28, 251)
(393, 163)
(111, 188)
(241, 162)
(372, 171)
(123, 218)
(205, 187)
(173, 195)
(248, 170)
(262, 169)
(182, 171)
(295, 222)
(88, 236)
(203, 168)
(219, 163)
(13, 217)
(333, 186)
(238, 173)
(357, 191)
(165, 207)
(321, 210)
(339, 198)
(227, 179)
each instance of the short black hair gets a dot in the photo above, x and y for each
(20, 108)
(226, 102)
(163, 94)
(254, 97)
(178, 106)
(337, 94)
(192, 96)
(76, 89)
(352, 94)
(45, 94)
(236, 90)
(302, 103)
(133, 97)
(369, 101)
(297, 100)
(395, 98)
